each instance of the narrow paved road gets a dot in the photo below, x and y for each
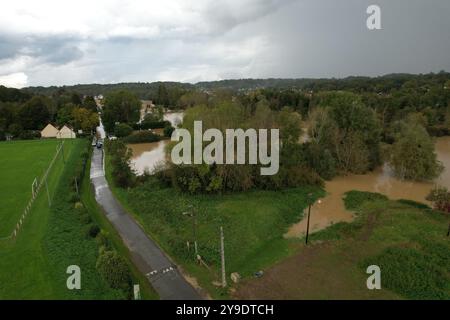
(147, 256)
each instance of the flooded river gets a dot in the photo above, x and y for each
(147, 155)
(331, 209)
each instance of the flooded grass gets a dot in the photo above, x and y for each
(409, 244)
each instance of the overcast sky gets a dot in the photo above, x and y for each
(56, 42)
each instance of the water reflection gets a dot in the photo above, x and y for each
(331, 209)
(147, 155)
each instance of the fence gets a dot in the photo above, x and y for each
(35, 193)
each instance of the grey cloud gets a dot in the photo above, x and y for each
(299, 38)
(47, 49)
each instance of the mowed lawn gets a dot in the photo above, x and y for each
(23, 265)
(20, 163)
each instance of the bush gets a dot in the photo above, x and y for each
(92, 231)
(120, 157)
(114, 269)
(122, 130)
(102, 240)
(27, 135)
(142, 137)
(168, 130)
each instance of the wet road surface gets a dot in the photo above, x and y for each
(146, 254)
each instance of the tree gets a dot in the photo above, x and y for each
(412, 155)
(64, 114)
(120, 106)
(90, 104)
(347, 128)
(122, 130)
(162, 96)
(84, 119)
(289, 123)
(34, 114)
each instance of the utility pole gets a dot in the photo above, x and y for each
(309, 214)
(307, 225)
(222, 258)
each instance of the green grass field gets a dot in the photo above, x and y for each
(24, 266)
(20, 163)
(33, 266)
(254, 223)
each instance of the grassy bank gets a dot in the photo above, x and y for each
(405, 239)
(254, 223)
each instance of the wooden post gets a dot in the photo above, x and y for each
(222, 257)
(307, 226)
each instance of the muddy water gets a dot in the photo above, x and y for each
(147, 155)
(331, 209)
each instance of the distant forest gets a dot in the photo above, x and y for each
(143, 90)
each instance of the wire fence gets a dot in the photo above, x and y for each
(35, 193)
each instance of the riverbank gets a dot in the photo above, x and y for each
(331, 210)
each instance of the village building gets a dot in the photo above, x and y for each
(49, 131)
(66, 133)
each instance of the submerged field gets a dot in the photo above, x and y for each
(406, 240)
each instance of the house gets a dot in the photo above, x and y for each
(49, 131)
(66, 133)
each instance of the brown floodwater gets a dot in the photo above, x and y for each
(331, 208)
(146, 155)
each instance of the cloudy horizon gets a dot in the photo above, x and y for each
(69, 42)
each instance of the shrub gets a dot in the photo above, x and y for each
(102, 240)
(122, 130)
(114, 270)
(440, 197)
(92, 231)
(142, 137)
(168, 130)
